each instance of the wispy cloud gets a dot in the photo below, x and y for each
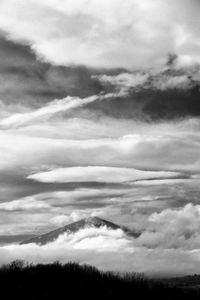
(51, 109)
(24, 205)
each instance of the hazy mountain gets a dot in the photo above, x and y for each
(74, 227)
(10, 239)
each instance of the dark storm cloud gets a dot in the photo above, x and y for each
(167, 95)
(27, 81)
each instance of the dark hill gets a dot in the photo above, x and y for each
(72, 281)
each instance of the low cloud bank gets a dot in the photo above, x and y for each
(113, 250)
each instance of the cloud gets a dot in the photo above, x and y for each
(51, 109)
(139, 151)
(124, 80)
(173, 82)
(29, 83)
(26, 204)
(98, 240)
(92, 238)
(90, 140)
(173, 228)
(105, 34)
(48, 141)
(61, 220)
(167, 98)
(99, 174)
(35, 149)
(45, 211)
(60, 198)
(108, 250)
(160, 81)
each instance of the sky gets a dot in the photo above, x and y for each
(100, 116)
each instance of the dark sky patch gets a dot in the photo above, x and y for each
(16, 186)
(152, 104)
(27, 81)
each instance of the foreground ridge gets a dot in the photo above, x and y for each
(72, 281)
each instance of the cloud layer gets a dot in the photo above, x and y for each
(102, 34)
(112, 250)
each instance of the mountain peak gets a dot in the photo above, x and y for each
(93, 219)
(98, 222)
(71, 228)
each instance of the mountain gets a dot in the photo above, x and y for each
(12, 239)
(74, 227)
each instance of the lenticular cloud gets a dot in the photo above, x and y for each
(99, 174)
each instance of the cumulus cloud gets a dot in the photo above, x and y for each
(105, 34)
(173, 82)
(100, 239)
(159, 81)
(61, 220)
(124, 80)
(173, 228)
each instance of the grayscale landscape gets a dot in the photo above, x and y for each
(100, 137)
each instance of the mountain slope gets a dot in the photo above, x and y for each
(74, 227)
(12, 239)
